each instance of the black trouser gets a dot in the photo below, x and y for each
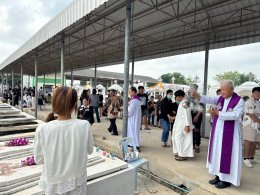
(196, 137)
(113, 126)
(196, 130)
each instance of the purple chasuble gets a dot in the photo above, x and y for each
(228, 134)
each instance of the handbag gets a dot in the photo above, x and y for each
(131, 156)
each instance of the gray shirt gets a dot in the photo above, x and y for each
(94, 100)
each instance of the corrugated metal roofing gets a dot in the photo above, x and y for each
(94, 33)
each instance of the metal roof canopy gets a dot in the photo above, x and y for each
(94, 32)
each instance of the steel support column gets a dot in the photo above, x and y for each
(12, 86)
(36, 85)
(205, 86)
(126, 65)
(21, 86)
(29, 78)
(133, 71)
(44, 83)
(55, 79)
(2, 84)
(133, 47)
(95, 83)
(7, 84)
(62, 60)
(71, 78)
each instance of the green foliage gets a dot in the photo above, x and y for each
(189, 80)
(167, 78)
(236, 77)
(178, 78)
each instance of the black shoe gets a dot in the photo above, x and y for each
(214, 181)
(109, 130)
(114, 133)
(222, 184)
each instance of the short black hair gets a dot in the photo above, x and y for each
(133, 89)
(140, 87)
(94, 91)
(256, 89)
(246, 98)
(152, 96)
(169, 91)
(179, 93)
(86, 98)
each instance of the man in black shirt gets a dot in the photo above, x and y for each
(101, 98)
(166, 116)
(144, 106)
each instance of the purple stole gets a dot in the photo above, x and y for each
(228, 134)
(136, 97)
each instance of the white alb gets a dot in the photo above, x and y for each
(236, 157)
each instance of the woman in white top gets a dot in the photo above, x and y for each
(62, 147)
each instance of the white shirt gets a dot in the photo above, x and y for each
(25, 98)
(62, 147)
(251, 107)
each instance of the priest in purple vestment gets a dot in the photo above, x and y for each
(225, 146)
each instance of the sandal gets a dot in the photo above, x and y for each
(165, 145)
(197, 150)
(179, 158)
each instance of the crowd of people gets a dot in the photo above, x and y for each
(181, 119)
(10, 95)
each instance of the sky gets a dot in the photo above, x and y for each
(20, 19)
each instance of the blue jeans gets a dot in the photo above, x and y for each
(150, 116)
(166, 126)
(95, 108)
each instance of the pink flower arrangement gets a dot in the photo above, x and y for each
(29, 161)
(17, 142)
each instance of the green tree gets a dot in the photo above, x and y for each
(236, 77)
(167, 78)
(179, 78)
(248, 77)
(189, 80)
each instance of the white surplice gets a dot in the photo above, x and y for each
(182, 141)
(134, 121)
(236, 158)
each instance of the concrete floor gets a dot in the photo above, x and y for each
(192, 173)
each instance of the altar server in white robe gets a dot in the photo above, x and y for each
(182, 136)
(134, 118)
(225, 146)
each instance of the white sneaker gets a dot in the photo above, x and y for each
(248, 163)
